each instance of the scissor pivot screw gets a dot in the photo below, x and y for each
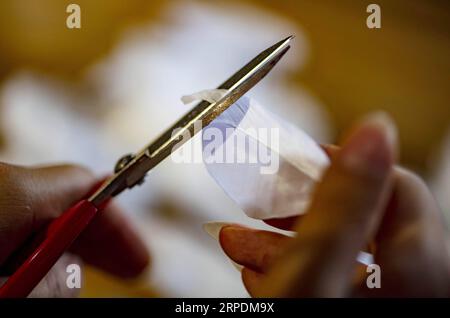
(123, 162)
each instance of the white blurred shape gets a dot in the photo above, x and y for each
(42, 126)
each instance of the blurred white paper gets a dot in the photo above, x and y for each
(265, 164)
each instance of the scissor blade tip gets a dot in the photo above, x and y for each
(285, 41)
(289, 38)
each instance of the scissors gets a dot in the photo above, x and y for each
(38, 257)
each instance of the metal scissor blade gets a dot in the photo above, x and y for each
(272, 54)
(133, 171)
(237, 85)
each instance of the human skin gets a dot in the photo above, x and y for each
(31, 197)
(364, 202)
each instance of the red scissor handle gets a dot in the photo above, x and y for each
(56, 238)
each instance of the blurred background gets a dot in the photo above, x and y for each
(90, 95)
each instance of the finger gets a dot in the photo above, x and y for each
(411, 203)
(411, 242)
(255, 249)
(38, 195)
(257, 257)
(343, 215)
(30, 198)
(252, 280)
(111, 243)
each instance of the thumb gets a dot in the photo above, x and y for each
(343, 215)
(31, 197)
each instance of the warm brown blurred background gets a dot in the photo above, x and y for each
(349, 69)
(403, 68)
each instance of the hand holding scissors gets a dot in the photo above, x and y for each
(35, 259)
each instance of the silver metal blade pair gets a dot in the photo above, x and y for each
(131, 169)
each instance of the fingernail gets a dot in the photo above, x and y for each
(371, 146)
(213, 229)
